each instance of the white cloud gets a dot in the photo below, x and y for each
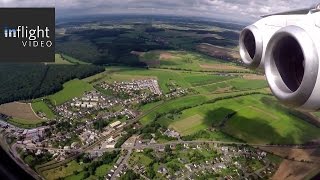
(232, 9)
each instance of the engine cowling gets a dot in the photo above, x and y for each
(251, 46)
(292, 66)
(254, 38)
(289, 57)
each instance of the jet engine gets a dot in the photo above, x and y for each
(287, 48)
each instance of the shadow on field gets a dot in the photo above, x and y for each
(271, 102)
(217, 117)
(249, 130)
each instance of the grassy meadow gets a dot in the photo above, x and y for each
(71, 89)
(254, 122)
(41, 106)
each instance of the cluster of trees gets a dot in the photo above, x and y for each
(28, 81)
(151, 128)
(154, 128)
(100, 124)
(32, 160)
(130, 131)
(165, 158)
(130, 175)
(107, 158)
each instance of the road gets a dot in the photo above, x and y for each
(54, 164)
(122, 165)
(158, 145)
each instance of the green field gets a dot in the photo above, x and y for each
(204, 79)
(167, 78)
(60, 60)
(25, 123)
(187, 60)
(72, 60)
(40, 106)
(102, 170)
(189, 125)
(71, 89)
(62, 172)
(164, 77)
(237, 84)
(174, 104)
(138, 157)
(201, 82)
(65, 59)
(254, 122)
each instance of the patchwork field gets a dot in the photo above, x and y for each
(238, 84)
(202, 82)
(217, 51)
(71, 89)
(254, 121)
(188, 61)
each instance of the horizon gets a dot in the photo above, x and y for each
(235, 10)
(92, 17)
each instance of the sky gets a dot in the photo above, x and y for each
(234, 10)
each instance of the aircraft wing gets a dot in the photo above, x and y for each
(297, 11)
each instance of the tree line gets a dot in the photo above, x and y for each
(29, 81)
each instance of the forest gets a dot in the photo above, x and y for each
(111, 43)
(29, 81)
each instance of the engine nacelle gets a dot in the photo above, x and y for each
(254, 40)
(290, 57)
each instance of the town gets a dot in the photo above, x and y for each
(96, 124)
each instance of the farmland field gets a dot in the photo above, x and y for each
(188, 61)
(72, 60)
(174, 104)
(189, 125)
(41, 106)
(182, 79)
(60, 60)
(19, 110)
(233, 84)
(252, 121)
(71, 89)
(200, 79)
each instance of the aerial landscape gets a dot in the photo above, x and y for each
(151, 97)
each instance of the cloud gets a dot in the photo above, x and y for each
(230, 9)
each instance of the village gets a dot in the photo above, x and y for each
(96, 123)
(84, 120)
(230, 162)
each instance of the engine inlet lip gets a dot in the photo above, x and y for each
(245, 56)
(311, 65)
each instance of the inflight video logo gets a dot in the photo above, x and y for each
(27, 35)
(30, 36)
